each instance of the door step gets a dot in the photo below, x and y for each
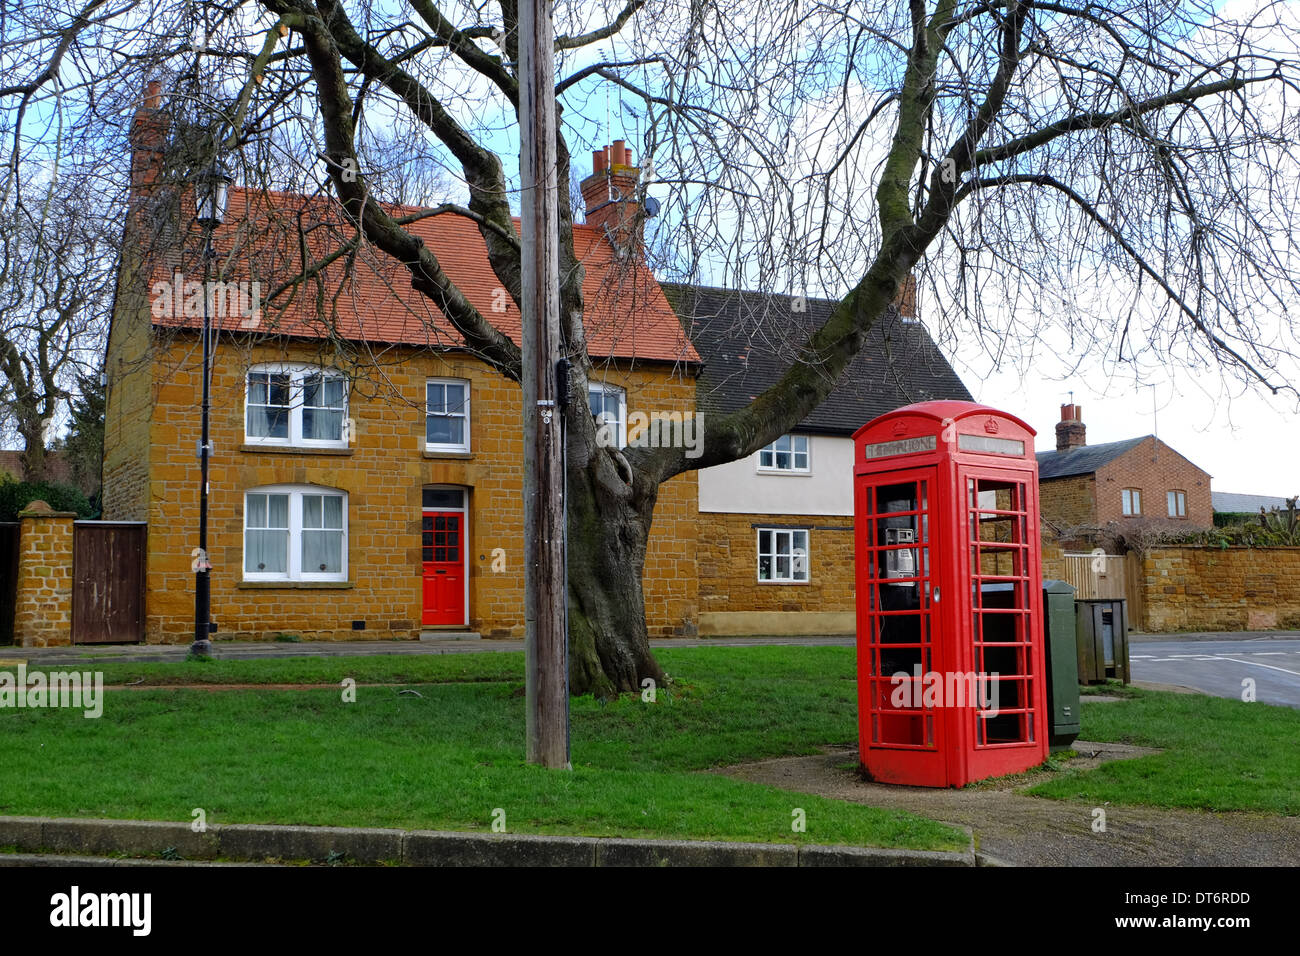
(450, 635)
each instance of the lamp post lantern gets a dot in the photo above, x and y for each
(211, 193)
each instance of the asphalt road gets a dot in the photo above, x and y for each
(1221, 668)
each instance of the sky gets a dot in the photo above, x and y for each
(1248, 440)
(1248, 443)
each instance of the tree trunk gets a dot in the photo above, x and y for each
(608, 526)
(33, 456)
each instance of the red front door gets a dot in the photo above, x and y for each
(442, 542)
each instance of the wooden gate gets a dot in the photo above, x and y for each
(1136, 586)
(1096, 575)
(8, 579)
(108, 582)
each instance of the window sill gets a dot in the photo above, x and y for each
(795, 583)
(462, 455)
(785, 472)
(294, 450)
(300, 585)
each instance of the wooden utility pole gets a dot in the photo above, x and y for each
(546, 646)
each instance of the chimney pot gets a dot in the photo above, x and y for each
(147, 136)
(1070, 431)
(610, 197)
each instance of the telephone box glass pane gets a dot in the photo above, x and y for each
(897, 557)
(999, 552)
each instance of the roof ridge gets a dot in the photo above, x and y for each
(390, 206)
(723, 289)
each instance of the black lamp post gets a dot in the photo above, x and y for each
(211, 192)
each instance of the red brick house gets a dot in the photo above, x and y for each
(1138, 481)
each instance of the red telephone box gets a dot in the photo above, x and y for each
(949, 596)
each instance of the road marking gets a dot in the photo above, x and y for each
(1258, 664)
(1267, 653)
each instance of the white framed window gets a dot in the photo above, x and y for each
(446, 421)
(783, 555)
(1132, 501)
(609, 409)
(295, 533)
(302, 405)
(788, 453)
(1177, 501)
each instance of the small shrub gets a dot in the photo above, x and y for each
(17, 495)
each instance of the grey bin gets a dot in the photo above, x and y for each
(1062, 663)
(1102, 638)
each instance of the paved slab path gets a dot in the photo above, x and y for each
(1030, 831)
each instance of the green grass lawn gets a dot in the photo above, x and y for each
(1218, 754)
(449, 758)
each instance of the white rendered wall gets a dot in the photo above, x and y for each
(738, 487)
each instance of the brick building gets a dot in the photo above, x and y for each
(1088, 488)
(775, 530)
(367, 474)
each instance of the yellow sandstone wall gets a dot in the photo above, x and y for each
(734, 601)
(1068, 502)
(1217, 589)
(129, 406)
(43, 614)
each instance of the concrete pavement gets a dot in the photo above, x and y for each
(265, 650)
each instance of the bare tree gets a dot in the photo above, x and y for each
(1118, 176)
(57, 271)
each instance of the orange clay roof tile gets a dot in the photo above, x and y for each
(267, 236)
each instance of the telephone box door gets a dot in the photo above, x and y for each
(1004, 650)
(899, 624)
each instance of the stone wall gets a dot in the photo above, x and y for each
(1216, 589)
(1053, 562)
(128, 368)
(1068, 502)
(733, 600)
(383, 471)
(43, 613)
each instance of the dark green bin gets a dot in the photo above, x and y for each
(1061, 655)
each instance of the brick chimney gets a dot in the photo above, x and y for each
(906, 299)
(148, 136)
(611, 200)
(1070, 430)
